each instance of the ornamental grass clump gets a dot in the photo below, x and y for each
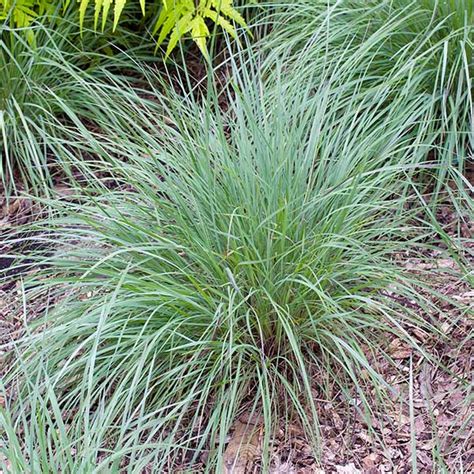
(245, 266)
(54, 95)
(427, 45)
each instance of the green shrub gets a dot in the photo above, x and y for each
(245, 262)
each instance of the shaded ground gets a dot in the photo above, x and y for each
(429, 419)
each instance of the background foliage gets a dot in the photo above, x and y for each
(172, 18)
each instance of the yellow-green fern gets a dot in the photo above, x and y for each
(181, 17)
(24, 12)
(177, 18)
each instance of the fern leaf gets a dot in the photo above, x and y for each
(161, 20)
(171, 18)
(199, 34)
(82, 12)
(225, 7)
(119, 5)
(97, 9)
(105, 12)
(222, 22)
(181, 28)
(170, 22)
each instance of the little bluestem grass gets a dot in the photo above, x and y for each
(243, 263)
(424, 48)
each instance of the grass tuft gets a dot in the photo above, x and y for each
(246, 265)
(55, 92)
(423, 50)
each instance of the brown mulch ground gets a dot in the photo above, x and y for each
(430, 418)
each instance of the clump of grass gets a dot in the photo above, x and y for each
(424, 49)
(56, 92)
(247, 263)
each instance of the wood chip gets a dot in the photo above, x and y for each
(243, 449)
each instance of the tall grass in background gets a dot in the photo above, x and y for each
(426, 45)
(55, 93)
(242, 264)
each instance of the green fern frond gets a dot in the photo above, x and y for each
(177, 17)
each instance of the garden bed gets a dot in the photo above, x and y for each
(244, 248)
(429, 416)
